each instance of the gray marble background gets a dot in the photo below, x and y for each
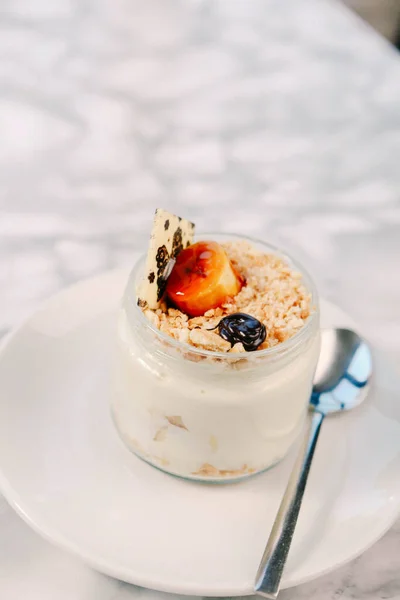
(276, 118)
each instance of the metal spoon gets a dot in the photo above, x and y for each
(343, 373)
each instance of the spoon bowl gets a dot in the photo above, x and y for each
(343, 371)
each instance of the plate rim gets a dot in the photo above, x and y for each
(122, 573)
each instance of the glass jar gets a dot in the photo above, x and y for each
(206, 415)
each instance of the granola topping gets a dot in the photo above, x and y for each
(272, 292)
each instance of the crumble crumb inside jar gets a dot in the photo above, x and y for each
(215, 364)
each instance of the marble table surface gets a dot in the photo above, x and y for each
(277, 118)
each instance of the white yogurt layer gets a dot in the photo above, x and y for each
(206, 419)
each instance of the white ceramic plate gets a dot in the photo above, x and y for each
(65, 471)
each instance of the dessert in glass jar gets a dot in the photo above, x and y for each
(218, 342)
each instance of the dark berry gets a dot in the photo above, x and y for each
(240, 327)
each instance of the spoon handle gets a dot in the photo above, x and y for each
(275, 554)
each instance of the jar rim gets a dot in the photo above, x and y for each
(287, 345)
